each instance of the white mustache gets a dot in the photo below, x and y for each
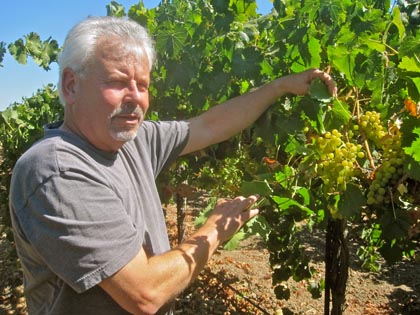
(128, 109)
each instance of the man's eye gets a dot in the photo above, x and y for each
(117, 83)
(142, 87)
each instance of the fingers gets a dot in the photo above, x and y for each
(250, 201)
(252, 212)
(242, 208)
(240, 203)
(299, 83)
(249, 214)
(327, 79)
(231, 214)
(239, 208)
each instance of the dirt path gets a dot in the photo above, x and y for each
(239, 282)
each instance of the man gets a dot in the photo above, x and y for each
(87, 218)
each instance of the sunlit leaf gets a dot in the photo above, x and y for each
(171, 39)
(18, 51)
(115, 9)
(396, 19)
(33, 44)
(414, 149)
(234, 242)
(409, 64)
(315, 51)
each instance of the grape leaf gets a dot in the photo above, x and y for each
(414, 149)
(17, 50)
(409, 46)
(2, 52)
(396, 223)
(256, 187)
(319, 91)
(115, 9)
(233, 243)
(391, 252)
(171, 39)
(202, 217)
(409, 64)
(412, 168)
(33, 44)
(351, 201)
(338, 116)
(315, 111)
(292, 207)
(282, 273)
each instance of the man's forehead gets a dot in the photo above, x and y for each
(115, 49)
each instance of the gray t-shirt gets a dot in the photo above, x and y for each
(80, 214)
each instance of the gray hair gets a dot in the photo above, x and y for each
(81, 42)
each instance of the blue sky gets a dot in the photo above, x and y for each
(47, 18)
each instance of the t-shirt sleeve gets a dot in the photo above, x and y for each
(80, 240)
(166, 140)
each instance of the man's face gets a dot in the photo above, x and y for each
(111, 98)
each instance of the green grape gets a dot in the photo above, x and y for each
(338, 160)
(371, 200)
(381, 191)
(370, 123)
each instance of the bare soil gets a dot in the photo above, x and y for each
(239, 281)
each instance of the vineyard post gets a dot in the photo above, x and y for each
(181, 208)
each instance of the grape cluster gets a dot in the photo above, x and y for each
(387, 175)
(388, 153)
(338, 160)
(370, 123)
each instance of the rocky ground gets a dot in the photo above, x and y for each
(239, 282)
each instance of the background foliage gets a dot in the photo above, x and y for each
(319, 162)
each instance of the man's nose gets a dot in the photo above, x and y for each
(137, 95)
(133, 90)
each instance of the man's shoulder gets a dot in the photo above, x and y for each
(53, 153)
(41, 151)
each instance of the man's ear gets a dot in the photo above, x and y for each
(68, 85)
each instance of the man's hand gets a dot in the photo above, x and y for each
(299, 83)
(230, 215)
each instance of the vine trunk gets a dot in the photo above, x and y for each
(336, 267)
